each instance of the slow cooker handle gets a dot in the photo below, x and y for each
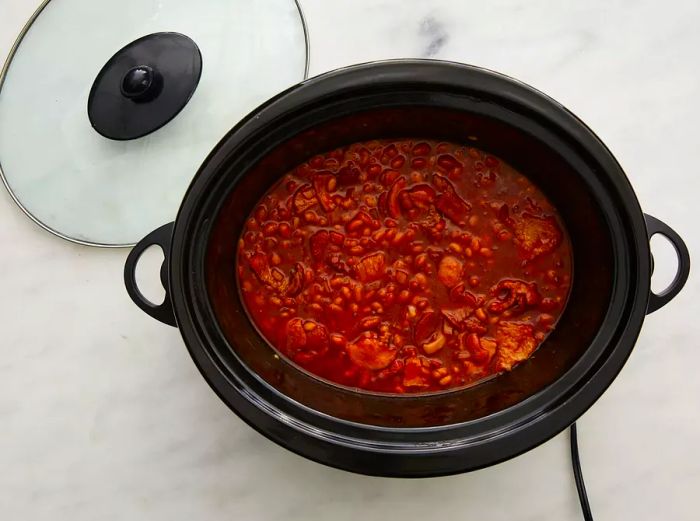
(658, 300)
(161, 237)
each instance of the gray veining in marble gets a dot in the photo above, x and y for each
(103, 416)
(434, 31)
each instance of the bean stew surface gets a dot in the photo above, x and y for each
(404, 266)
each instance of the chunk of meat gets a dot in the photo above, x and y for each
(414, 374)
(449, 202)
(339, 265)
(274, 278)
(442, 183)
(318, 243)
(296, 336)
(488, 347)
(457, 316)
(371, 353)
(306, 336)
(535, 235)
(429, 220)
(453, 207)
(481, 350)
(447, 328)
(321, 183)
(474, 325)
(392, 199)
(260, 266)
(371, 267)
(422, 196)
(296, 280)
(450, 271)
(426, 326)
(515, 295)
(317, 337)
(516, 342)
(304, 198)
(461, 295)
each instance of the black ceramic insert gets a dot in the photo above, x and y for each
(144, 85)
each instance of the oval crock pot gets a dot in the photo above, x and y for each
(424, 435)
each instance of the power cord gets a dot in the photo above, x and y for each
(578, 476)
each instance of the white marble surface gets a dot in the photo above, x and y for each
(104, 416)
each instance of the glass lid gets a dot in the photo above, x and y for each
(107, 109)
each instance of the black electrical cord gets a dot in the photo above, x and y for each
(578, 476)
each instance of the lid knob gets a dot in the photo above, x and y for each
(141, 83)
(144, 85)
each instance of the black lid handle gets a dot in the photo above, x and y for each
(141, 83)
(658, 300)
(161, 237)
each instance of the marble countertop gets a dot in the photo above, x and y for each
(103, 415)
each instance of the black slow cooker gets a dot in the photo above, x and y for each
(422, 435)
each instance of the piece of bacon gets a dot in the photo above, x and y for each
(304, 198)
(321, 181)
(307, 336)
(392, 199)
(481, 350)
(371, 267)
(426, 326)
(515, 295)
(318, 243)
(516, 342)
(422, 196)
(450, 271)
(371, 353)
(457, 316)
(449, 203)
(536, 235)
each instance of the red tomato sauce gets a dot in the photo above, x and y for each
(404, 266)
